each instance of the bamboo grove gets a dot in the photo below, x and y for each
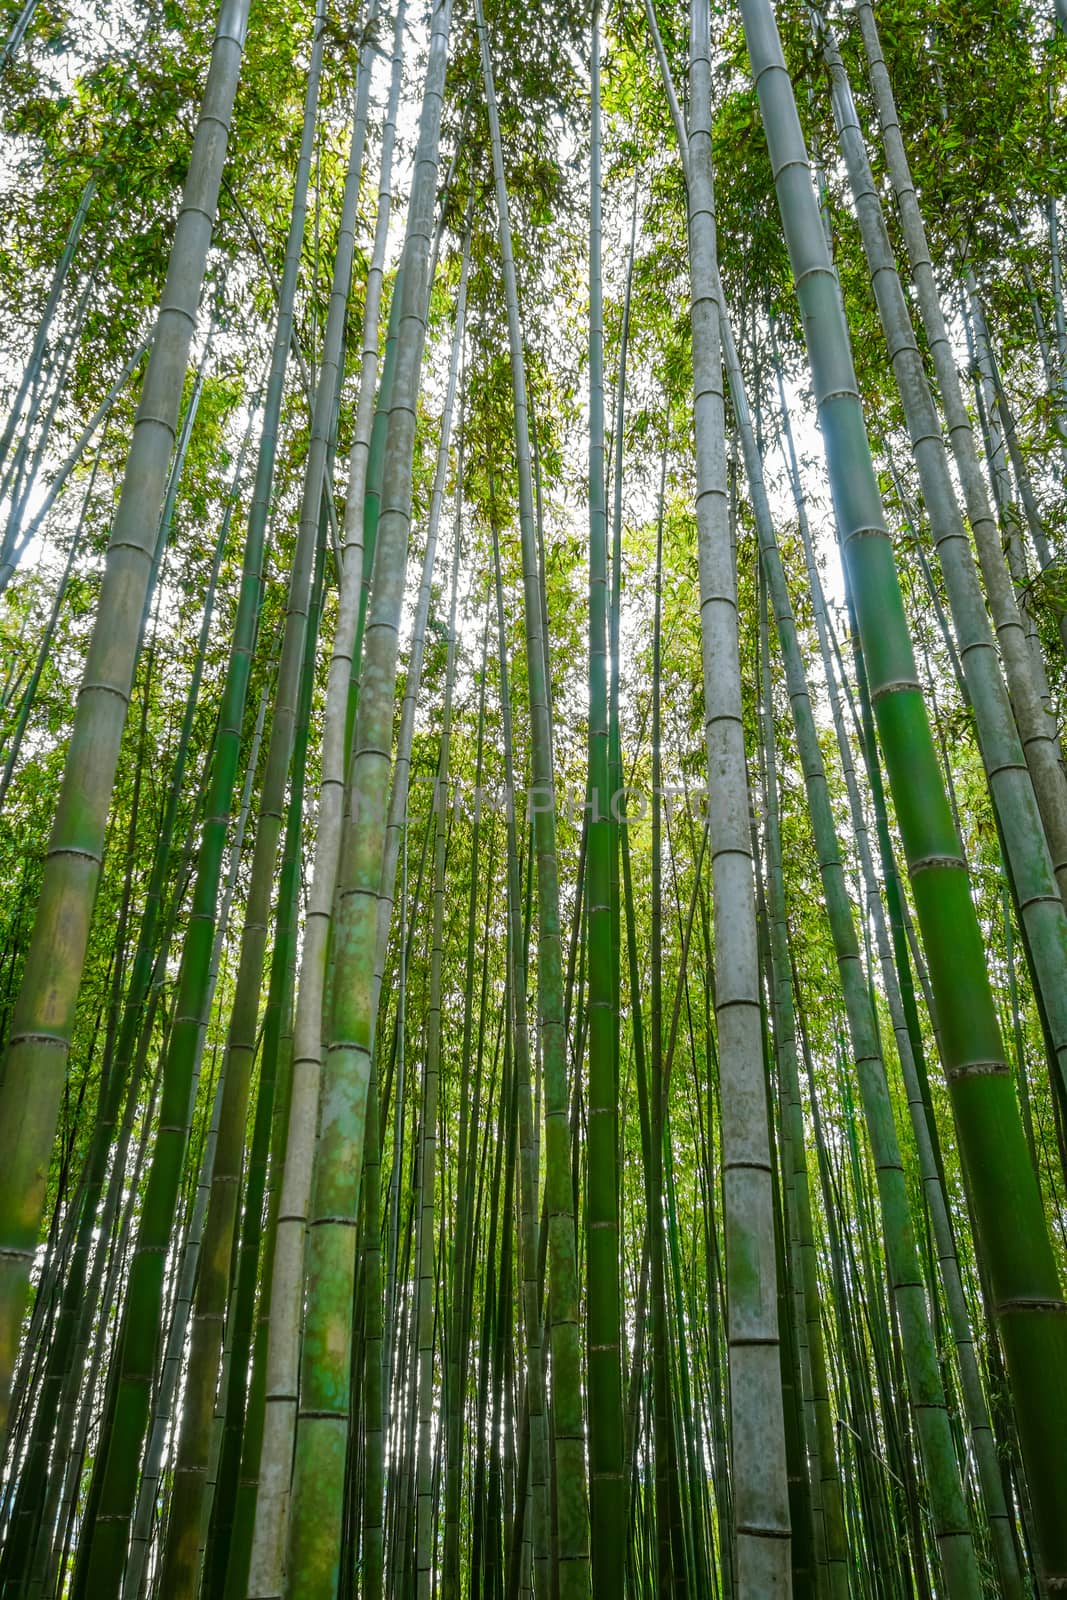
(533, 820)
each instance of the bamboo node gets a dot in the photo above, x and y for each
(1032, 1302)
(895, 686)
(926, 863)
(978, 1069)
(107, 688)
(1039, 900)
(75, 850)
(784, 166)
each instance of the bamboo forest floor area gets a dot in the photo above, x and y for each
(533, 813)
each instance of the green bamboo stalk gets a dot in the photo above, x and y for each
(179, 1573)
(1009, 515)
(652, 1099)
(686, 1530)
(364, 485)
(572, 1565)
(144, 1000)
(858, 1424)
(395, 829)
(101, 1140)
(282, 1332)
(185, 1274)
(32, 370)
(343, 664)
(1016, 1024)
(399, 789)
(832, 1509)
(1011, 1232)
(946, 1493)
(325, 1376)
(141, 1322)
(74, 457)
(999, 406)
(118, 1256)
(43, 1022)
(495, 1266)
(275, 1066)
(1010, 784)
(170, 1370)
(371, 1488)
(1059, 320)
(75, 1229)
(29, 1435)
(975, 1407)
(27, 463)
(460, 1252)
(163, 1406)
(810, 1575)
(607, 1485)
(372, 1549)
(283, 1355)
(51, 1385)
(236, 1547)
(496, 1512)
(530, 1266)
(696, 1508)
(928, 1403)
(230, 1550)
(45, 647)
(909, 1051)
(1036, 730)
(760, 1494)
(426, 1273)
(714, 1277)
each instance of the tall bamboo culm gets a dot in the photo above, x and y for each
(760, 1492)
(180, 1567)
(319, 1464)
(43, 1020)
(607, 1487)
(1011, 1231)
